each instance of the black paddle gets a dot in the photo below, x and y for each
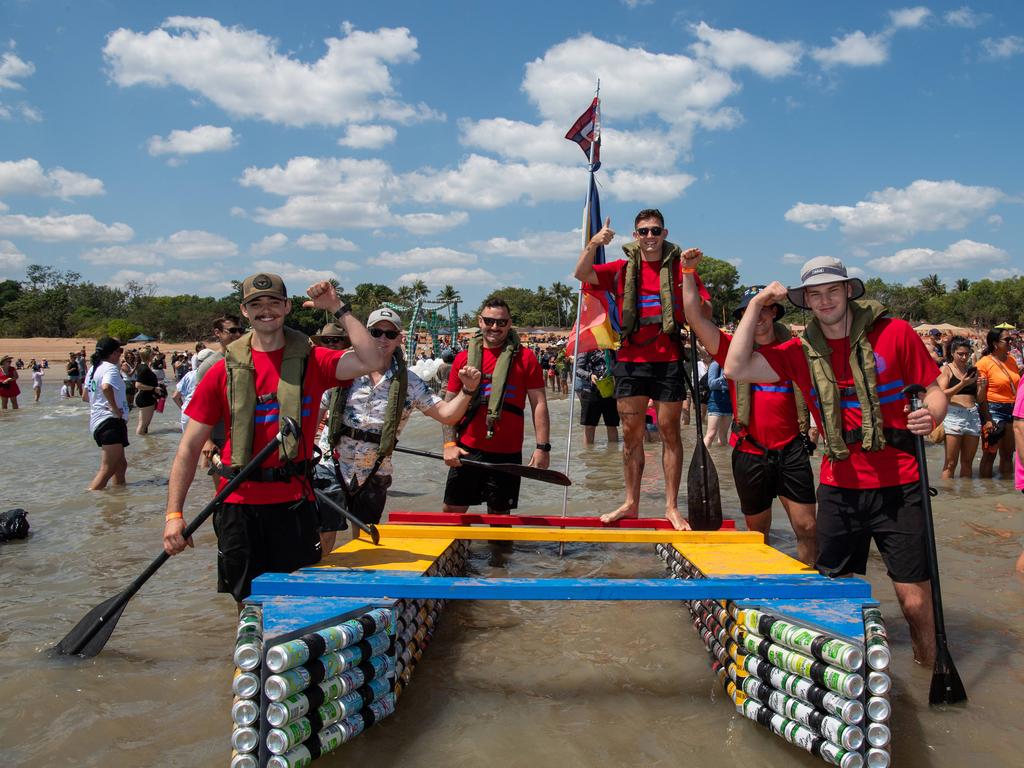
(946, 686)
(91, 633)
(703, 495)
(368, 528)
(520, 470)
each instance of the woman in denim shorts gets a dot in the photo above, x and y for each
(959, 380)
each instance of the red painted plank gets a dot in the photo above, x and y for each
(469, 518)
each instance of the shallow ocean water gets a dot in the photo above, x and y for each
(510, 684)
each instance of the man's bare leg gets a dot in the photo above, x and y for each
(805, 526)
(760, 523)
(671, 460)
(588, 435)
(916, 603)
(631, 415)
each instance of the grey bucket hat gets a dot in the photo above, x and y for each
(822, 270)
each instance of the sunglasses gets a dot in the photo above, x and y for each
(233, 329)
(331, 341)
(656, 231)
(378, 332)
(501, 322)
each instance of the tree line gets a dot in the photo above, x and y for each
(51, 302)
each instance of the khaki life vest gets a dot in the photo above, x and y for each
(631, 319)
(498, 378)
(744, 394)
(387, 438)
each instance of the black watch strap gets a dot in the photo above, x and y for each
(546, 447)
(343, 310)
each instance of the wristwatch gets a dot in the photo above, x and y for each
(343, 310)
(546, 447)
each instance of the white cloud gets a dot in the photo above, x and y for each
(244, 73)
(734, 48)
(634, 4)
(965, 18)
(430, 223)
(854, 50)
(27, 177)
(455, 276)
(368, 136)
(319, 241)
(184, 245)
(296, 276)
(141, 255)
(269, 244)
(11, 259)
(1003, 273)
(173, 282)
(909, 18)
(12, 69)
(202, 138)
(961, 256)
(422, 257)
(30, 113)
(792, 258)
(995, 220)
(895, 214)
(534, 246)
(652, 188)
(64, 229)
(1003, 47)
(346, 266)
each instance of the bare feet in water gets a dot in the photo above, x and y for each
(678, 521)
(626, 511)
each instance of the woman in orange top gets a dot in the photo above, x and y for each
(998, 379)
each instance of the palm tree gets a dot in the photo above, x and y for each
(932, 285)
(448, 295)
(405, 295)
(563, 296)
(420, 290)
(963, 285)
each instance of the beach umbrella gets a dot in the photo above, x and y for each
(143, 337)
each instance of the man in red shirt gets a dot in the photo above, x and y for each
(270, 522)
(648, 365)
(493, 428)
(770, 455)
(851, 365)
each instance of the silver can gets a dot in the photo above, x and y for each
(879, 709)
(245, 739)
(244, 711)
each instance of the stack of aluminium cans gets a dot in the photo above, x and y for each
(806, 686)
(876, 641)
(328, 686)
(245, 707)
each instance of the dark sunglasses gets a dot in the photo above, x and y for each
(234, 329)
(378, 332)
(331, 340)
(656, 231)
(501, 322)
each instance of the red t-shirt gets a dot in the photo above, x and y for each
(524, 374)
(209, 405)
(648, 344)
(900, 360)
(773, 418)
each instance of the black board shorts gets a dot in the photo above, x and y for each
(661, 382)
(594, 408)
(145, 398)
(112, 431)
(759, 478)
(849, 518)
(263, 538)
(469, 486)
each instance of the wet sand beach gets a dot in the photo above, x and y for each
(513, 684)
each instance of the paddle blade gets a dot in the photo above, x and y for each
(89, 635)
(703, 495)
(523, 470)
(946, 687)
(374, 534)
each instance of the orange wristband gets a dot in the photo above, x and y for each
(174, 516)
(687, 270)
(450, 444)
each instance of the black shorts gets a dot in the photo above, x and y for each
(468, 486)
(848, 518)
(593, 408)
(145, 398)
(760, 478)
(663, 382)
(367, 505)
(263, 538)
(112, 431)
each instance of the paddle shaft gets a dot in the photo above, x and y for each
(367, 528)
(695, 408)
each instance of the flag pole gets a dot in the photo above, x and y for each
(579, 305)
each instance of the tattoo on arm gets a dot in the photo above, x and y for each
(448, 430)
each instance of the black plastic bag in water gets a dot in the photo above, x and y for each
(13, 524)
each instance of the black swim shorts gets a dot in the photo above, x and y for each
(849, 518)
(593, 408)
(263, 538)
(662, 382)
(468, 486)
(759, 478)
(112, 431)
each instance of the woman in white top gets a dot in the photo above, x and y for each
(104, 390)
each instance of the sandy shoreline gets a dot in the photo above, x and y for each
(54, 349)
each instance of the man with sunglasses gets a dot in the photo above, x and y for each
(225, 330)
(270, 522)
(493, 428)
(647, 288)
(364, 420)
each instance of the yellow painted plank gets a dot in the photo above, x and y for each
(743, 559)
(596, 535)
(394, 554)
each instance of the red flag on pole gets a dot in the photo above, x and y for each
(586, 131)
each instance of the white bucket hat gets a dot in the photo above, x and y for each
(822, 270)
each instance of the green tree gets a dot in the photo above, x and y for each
(420, 290)
(932, 286)
(722, 281)
(963, 285)
(563, 296)
(448, 294)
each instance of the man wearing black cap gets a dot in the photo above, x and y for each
(769, 430)
(851, 365)
(270, 522)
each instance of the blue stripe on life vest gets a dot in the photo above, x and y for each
(890, 398)
(898, 384)
(266, 406)
(770, 388)
(850, 403)
(305, 412)
(268, 419)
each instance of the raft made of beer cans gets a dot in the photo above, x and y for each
(325, 653)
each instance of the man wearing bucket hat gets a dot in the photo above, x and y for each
(851, 365)
(771, 450)
(270, 522)
(364, 420)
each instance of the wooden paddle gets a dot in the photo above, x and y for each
(89, 635)
(703, 495)
(946, 687)
(520, 470)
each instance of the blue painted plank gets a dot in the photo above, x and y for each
(284, 616)
(843, 618)
(397, 585)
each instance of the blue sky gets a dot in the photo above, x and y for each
(189, 144)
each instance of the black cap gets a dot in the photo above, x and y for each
(107, 346)
(749, 294)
